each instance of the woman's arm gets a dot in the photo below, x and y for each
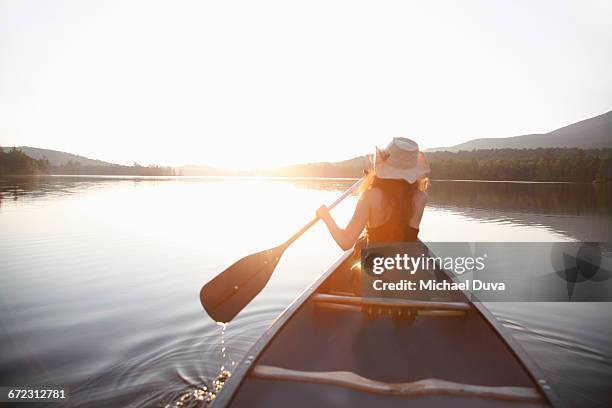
(418, 206)
(346, 238)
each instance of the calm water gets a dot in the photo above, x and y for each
(100, 277)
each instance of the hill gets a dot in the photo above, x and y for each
(16, 162)
(593, 133)
(31, 160)
(57, 158)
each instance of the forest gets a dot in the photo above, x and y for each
(550, 164)
(15, 162)
(136, 169)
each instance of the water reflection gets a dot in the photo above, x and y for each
(534, 198)
(100, 276)
(580, 211)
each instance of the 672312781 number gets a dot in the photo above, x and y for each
(16, 394)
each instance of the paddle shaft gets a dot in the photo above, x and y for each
(316, 219)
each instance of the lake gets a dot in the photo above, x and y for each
(100, 276)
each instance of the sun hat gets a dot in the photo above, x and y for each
(401, 159)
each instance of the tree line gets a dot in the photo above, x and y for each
(15, 162)
(136, 169)
(543, 164)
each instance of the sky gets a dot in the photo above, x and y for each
(246, 84)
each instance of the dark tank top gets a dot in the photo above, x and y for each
(388, 232)
(391, 232)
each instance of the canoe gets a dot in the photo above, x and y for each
(333, 348)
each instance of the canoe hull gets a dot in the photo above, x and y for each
(463, 349)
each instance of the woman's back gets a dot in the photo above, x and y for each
(393, 216)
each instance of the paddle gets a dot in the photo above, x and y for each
(230, 291)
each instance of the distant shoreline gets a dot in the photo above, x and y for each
(493, 165)
(132, 177)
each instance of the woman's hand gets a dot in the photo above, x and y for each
(323, 213)
(346, 238)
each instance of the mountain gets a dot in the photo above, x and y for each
(57, 158)
(593, 133)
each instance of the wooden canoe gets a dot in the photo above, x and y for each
(323, 351)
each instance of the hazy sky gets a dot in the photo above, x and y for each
(263, 83)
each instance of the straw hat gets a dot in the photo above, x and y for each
(400, 160)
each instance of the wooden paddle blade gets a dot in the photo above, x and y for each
(227, 294)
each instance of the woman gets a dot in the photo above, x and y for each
(392, 201)
(389, 210)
